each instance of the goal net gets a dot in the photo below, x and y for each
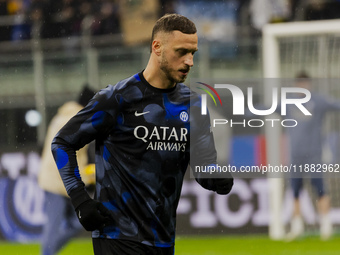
(288, 48)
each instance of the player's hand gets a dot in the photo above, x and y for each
(220, 185)
(223, 186)
(93, 215)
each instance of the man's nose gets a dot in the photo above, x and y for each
(189, 60)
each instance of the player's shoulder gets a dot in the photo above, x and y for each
(125, 83)
(187, 91)
(120, 86)
(188, 94)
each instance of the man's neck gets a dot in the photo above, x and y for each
(156, 78)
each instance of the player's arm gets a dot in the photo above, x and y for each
(221, 183)
(203, 154)
(93, 121)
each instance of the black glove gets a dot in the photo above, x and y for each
(223, 186)
(91, 214)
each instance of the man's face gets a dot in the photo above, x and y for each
(177, 55)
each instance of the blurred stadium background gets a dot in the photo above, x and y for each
(44, 63)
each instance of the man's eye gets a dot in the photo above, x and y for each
(182, 52)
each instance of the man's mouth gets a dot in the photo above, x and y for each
(184, 71)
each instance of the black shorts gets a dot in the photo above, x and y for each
(125, 247)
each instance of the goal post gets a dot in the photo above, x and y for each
(321, 58)
(272, 32)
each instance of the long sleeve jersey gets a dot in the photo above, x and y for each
(143, 138)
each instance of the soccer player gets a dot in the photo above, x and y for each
(144, 128)
(306, 149)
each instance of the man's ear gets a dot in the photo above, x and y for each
(156, 47)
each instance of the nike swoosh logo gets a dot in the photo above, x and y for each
(140, 113)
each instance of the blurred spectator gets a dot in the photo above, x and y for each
(40, 18)
(62, 223)
(305, 149)
(85, 9)
(315, 9)
(21, 29)
(267, 11)
(108, 18)
(64, 16)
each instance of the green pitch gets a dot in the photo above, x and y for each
(252, 245)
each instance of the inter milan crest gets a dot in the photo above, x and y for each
(184, 116)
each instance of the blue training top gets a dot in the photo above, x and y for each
(143, 138)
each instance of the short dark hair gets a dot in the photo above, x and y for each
(172, 22)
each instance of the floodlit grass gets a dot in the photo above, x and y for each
(255, 245)
(250, 245)
(75, 247)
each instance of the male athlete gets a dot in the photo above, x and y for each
(144, 127)
(306, 150)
